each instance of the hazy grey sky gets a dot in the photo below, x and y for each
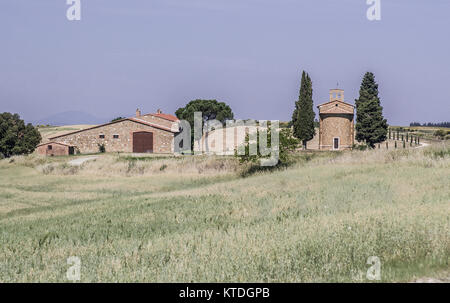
(249, 53)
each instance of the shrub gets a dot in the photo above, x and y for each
(360, 146)
(287, 144)
(101, 148)
(440, 133)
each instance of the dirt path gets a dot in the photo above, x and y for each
(423, 144)
(79, 161)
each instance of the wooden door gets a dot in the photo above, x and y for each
(142, 142)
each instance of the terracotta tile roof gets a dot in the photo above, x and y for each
(151, 124)
(166, 116)
(136, 120)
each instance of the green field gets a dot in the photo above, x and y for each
(195, 219)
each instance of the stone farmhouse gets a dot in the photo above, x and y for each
(149, 133)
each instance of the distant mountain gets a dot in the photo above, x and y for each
(70, 118)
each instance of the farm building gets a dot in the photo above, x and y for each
(55, 149)
(149, 133)
(337, 131)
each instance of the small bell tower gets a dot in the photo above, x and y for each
(337, 94)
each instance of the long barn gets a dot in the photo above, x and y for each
(149, 133)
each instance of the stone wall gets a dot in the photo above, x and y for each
(56, 149)
(336, 126)
(87, 141)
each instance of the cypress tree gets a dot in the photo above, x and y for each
(371, 127)
(303, 116)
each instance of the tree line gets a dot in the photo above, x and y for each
(431, 124)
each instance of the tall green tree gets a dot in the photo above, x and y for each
(303, 116)
(371, 127)
(210, 109)
(16, 137)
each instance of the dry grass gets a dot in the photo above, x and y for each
(198, 220)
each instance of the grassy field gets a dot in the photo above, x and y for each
(196, 219)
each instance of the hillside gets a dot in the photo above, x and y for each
(167, 219)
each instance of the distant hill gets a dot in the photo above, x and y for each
(70, 118)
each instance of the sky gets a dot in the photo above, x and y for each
(152, 54)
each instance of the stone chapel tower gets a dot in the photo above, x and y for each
(337, 131)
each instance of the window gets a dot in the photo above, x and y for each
(335, 143)
(101, 136)
(49, 147)
(116, 136)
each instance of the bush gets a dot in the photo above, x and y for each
(360, 146)
(440, 133)
(101, 148)
(287, 144)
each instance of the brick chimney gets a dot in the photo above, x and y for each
(158, 111)
(138, 112)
